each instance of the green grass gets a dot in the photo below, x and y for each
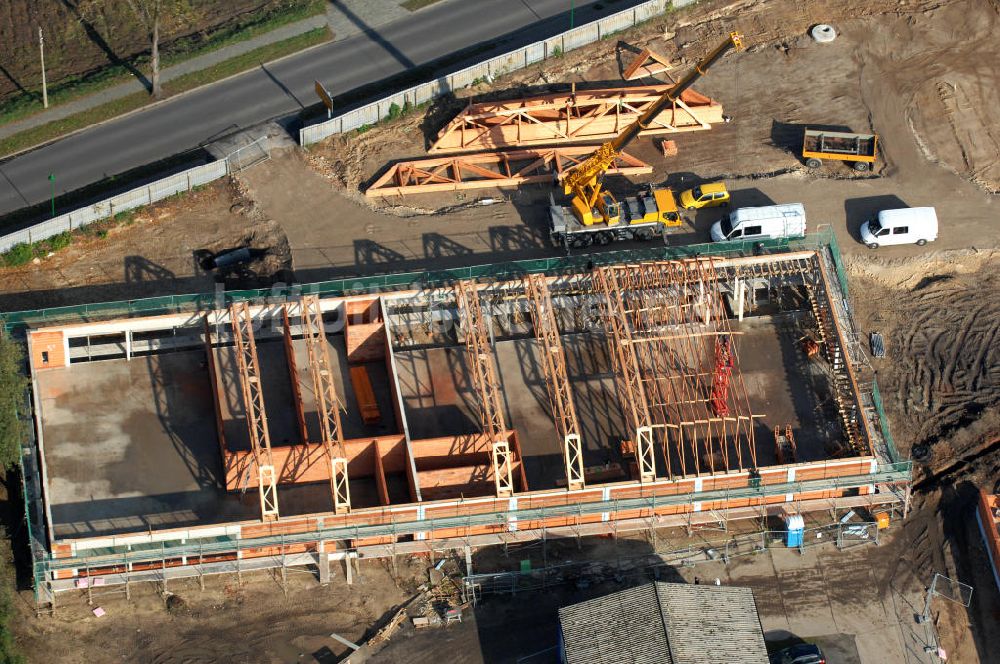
(414, 5)
(27, 104)
(23, 253)
(240, 63)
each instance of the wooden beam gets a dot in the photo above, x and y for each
(293, 374)
(380, 483)
(253, 404)
(639, 68)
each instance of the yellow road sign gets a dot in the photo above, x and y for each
(324, 96)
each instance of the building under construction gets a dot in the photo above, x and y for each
(618, 396)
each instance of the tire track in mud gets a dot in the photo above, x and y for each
(942, 375)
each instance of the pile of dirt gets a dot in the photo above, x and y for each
(941, 324)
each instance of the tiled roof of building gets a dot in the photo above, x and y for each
(665, 623)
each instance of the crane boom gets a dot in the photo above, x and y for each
(584, 182)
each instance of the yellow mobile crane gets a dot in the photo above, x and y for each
(594, 215)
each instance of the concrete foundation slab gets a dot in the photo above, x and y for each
(131, 445)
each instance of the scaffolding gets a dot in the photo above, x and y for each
(158, 560)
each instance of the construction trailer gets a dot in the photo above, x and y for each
(506, 409)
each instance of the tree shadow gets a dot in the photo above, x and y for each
(100, 42)
(17, 84)
(373, 34)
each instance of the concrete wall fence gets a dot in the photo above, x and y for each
(109, 207)
(366, 115)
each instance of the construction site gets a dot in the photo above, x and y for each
(503, 361)
(662, 392)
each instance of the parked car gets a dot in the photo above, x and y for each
(761, 223)
(802, 653)
(714, 194)
(906, 226)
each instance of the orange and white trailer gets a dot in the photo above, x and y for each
(860, 150)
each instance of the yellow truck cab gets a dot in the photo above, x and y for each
(666, 205)
(712, 194)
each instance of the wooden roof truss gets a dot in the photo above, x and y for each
(253, 402)
(589, 115)
(491, 169)
(487, 384)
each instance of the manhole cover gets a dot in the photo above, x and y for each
(823, 33)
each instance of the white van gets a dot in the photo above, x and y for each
(906, 226)
(761, 223)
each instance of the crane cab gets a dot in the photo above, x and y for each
(606, 211)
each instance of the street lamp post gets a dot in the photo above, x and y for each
(52, 182)
(41, 49)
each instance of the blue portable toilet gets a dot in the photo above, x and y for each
(795, 527)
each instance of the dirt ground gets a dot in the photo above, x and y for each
(227, 622)
(159, 250)
(919, 72)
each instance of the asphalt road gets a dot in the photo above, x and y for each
(284, 88)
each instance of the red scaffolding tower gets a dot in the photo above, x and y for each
(720, 376)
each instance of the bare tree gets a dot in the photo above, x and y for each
(155, 14)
